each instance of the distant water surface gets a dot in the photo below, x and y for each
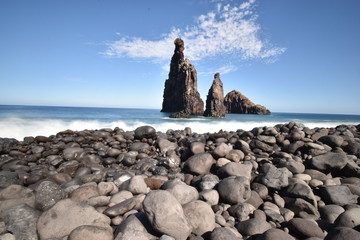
(20, 121)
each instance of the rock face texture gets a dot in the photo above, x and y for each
(215, 99)
(180, 93)
(235, 102)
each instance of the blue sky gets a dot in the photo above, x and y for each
(291, 56)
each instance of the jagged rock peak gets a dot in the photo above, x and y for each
(180, 93)
(215, 99)
(235, 102)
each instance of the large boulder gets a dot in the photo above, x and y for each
(180, 93)
(200, 163)
(215, 99)
(65, 216)
(329, 162)
(235, 102)
(234, 190)
(166, 215)
(200, 216)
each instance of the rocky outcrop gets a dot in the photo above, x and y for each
(215, 99)
(235, 102)
(180, 93)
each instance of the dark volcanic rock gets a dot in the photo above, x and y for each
(215, 99)
(180, 93)
(235, 102)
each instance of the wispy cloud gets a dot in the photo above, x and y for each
(223, 70)
(230, 29)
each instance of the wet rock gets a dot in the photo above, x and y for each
(145, 132)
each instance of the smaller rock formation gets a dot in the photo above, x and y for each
(215, 99)
(235, 102)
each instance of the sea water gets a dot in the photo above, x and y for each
(21, 121)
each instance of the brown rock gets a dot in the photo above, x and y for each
(235, 102)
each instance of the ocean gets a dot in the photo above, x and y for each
(21, 121)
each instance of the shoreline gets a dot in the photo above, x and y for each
(286, 180)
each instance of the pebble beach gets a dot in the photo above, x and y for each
(280, 182)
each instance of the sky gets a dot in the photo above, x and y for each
(290, 56)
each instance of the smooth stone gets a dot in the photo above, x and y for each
(329, 162)
(166, 214)
(137, 185)
(91, 233)
(123, 207)
(21, 221)
(184, 193)
(7, 236)
(8, 178)
(275, 234)
(210, 196)
(84, 192)
(135, 226)
(73, 153)
(197, 147)
(235, 169)
(165, 145)
(234, 190)
(222, 150)
(15, 195)
(145, 132)
(66, 215)
(253, 226)
(255, 199)
(241, 211)
(300, 189)
(113, 152)
(139, 147)
(235, 155)
(305, 228)
(225, 233)
(338, 195)
(276, 178)
(350, 218)
(120, 196)
(260, 189)
(199, 163)
(48, 194)
(104, 188)
(98, 201)
(293, 166)
(331, 212)
(200, 217)
(332, 140)
(342, 233)
(208, 181)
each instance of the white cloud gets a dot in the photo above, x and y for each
(228, 30)
(222, 70)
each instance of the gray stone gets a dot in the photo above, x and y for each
(339, 195)
(166, 214)
(302, 190)
(135, 227)
(304, 228)
(294, 166)
(139, 147)
(200, 216)
(208, 181)
(137, 185)
(145, 132)
(91, 233)
(47, 194)
(241, 211)
(184, 193)
(234, 190)
(165, 145)
(235, 155)
(329, 162)
(350, 218)
(21, 221)
(342, 233)
(122, 207)
(330, 212)
(332, 140)
(73, 153)
(276, 178)
(7, 236)
(225, 233)
(253, 226)
(275, 234)
(65, 216)
(8, 178)
(200, 163)
(222, 150)
(235, 169)
(197, 147)
(15, 195)
(210, 196)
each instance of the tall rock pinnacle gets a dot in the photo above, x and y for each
(215, 99)
(180, 93)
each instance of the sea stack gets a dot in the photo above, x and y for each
(235, 102)
(180, 94)
(215, 99)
